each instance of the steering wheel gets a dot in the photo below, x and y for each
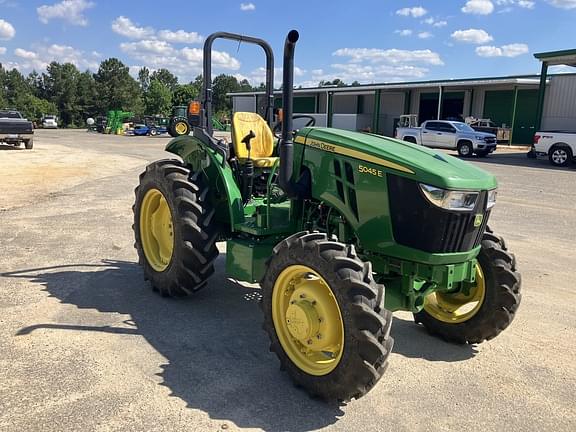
(277, 131)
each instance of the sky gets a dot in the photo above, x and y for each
(364, 40)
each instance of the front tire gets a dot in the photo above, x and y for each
(487, 310)
(465, 149)
(29, 144)
(323, 313)
(174, 231)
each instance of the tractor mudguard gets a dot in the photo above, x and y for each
(225, 193)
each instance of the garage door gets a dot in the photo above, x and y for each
(302, 104)
(499, 107)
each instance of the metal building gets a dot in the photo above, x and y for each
(509, 101)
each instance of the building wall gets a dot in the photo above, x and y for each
(244, 103)
(344, 104)
(560, 104)
(391, 107)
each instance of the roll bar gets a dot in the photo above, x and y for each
(206, 111)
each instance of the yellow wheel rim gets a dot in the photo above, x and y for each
(458, 307)
(181, 128)
(156, 230)
(307, 320)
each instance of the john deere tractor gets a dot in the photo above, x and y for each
(179, 121)
(340, 228)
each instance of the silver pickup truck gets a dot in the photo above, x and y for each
(450, 135)
(15, 130)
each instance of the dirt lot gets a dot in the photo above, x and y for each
(87, 346)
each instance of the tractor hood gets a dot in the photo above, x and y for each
(409, 160)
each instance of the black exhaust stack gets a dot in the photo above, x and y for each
(286, 149)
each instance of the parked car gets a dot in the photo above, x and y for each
(49, 122)
(559, 146)
(15, 129)
(143, 130)
(450, 135)
(487, 125)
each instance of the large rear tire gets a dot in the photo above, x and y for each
(324, 315)
(490, 306)
(173, 226)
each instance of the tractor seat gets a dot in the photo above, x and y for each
(262, 144)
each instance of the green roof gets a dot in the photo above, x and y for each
(563, 57)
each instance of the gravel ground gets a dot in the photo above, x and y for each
(86, 345)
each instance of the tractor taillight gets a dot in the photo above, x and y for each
(536, 139)
(194, 108)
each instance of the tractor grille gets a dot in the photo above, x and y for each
(419, 224)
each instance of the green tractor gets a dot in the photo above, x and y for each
(179, 123)
(184, 118)
(339, 228)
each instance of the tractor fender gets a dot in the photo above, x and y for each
(226, 195)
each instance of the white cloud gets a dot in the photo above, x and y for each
(180, 36)
(478, 7)
(435, 23)
(185, 63)
(425, 35)
(561, 69)
(71, 11)
(405, 32)
(475, 36)
(511, 50)
(563, 4)
(149, 46)
(43, 55)
(125, 27)
(350, 72)
(258, 75)
(2, 50)
(526, 4)
(7, 31)
(391, 56)
(414, 12)
(247, 6)
(22, 53)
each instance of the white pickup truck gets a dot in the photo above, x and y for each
(560, 147)
(449, 135)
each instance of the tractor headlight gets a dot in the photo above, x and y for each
(449, 199)
(491, 198)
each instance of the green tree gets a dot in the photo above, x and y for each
(158, 98)
(198, 85)
(336, 82)
(15, 88)
(165, 77)
(61, 88)
(87, 96)
(221, 85)
(144, 78)
(184, 93)
(33, 108)
(116, 88)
